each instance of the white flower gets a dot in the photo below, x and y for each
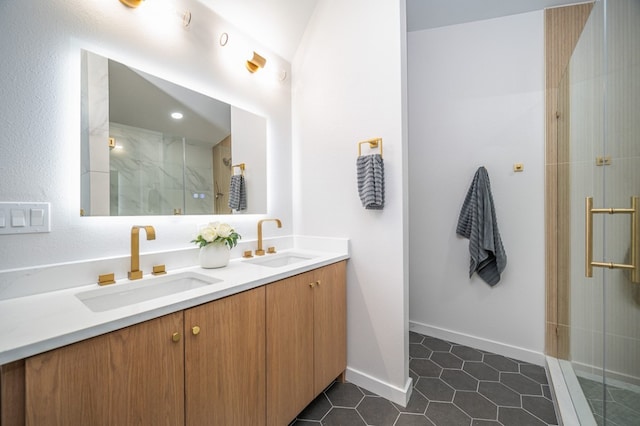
(224, 230)
(209, 234)
(217, 233)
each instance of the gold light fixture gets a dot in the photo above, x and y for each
(131, 3)
(255, 63)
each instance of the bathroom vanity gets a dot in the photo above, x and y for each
(260, 350)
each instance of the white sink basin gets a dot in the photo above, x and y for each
(280, 259)
(118, 295)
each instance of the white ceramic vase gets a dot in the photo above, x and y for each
(214, 255)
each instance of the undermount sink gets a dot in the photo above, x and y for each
(280, 259)
(118, 295)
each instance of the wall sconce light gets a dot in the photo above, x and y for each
(132, 3)
(255, 63)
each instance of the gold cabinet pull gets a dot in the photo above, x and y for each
(195, 330)
(318, 283)
(175, 337)
(312, 284)
(635, 239)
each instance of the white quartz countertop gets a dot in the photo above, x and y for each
(34, 324)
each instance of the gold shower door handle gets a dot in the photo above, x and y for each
(589, 211)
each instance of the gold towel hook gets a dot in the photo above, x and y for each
(373, 143)
(240, 166)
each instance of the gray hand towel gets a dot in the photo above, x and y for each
(370, 169)
(478, 223)
(237, 193)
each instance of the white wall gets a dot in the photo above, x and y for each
(476, 98)
(40, 116)
(348, 80)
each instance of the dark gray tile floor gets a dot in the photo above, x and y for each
(622, 405)
(452, 385)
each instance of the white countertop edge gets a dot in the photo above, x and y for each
(27, 331)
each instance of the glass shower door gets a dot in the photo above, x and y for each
(621, 150)
(599, 122)
(581, 124)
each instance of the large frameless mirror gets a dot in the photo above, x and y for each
(152, 147)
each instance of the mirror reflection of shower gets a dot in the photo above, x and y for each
(222, 160)
(126, 129)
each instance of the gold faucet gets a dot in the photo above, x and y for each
(135, 273)
(260, 251)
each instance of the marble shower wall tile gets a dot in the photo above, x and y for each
(149, 176)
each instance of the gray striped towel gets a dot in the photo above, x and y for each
(478, 223)
(237, 193)
(370, 170)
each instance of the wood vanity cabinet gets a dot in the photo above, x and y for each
(212, 372)
(130, 376)
(306, 339)
(254, 358)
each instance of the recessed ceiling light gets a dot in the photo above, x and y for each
(176, 115)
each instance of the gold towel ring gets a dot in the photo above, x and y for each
(373, 143)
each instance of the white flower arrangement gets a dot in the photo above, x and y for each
(216, 233)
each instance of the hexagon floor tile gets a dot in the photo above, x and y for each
(452, 385)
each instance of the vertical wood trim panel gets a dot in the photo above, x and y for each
(563, 26)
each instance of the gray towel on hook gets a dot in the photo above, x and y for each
(370, 170)
(478, 223)
(237, 193)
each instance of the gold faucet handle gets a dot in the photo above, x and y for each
(159, 270)
(106, 279)
(271, 250)
(135, 275)
(247, 254)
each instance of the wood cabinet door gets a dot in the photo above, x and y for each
(225, 372)
(133, 376)
(12, 394)
(330, 325)
(289, 348)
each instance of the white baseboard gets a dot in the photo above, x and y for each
(392, 393)
(503, 349)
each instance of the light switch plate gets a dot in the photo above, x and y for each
(24, 218)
